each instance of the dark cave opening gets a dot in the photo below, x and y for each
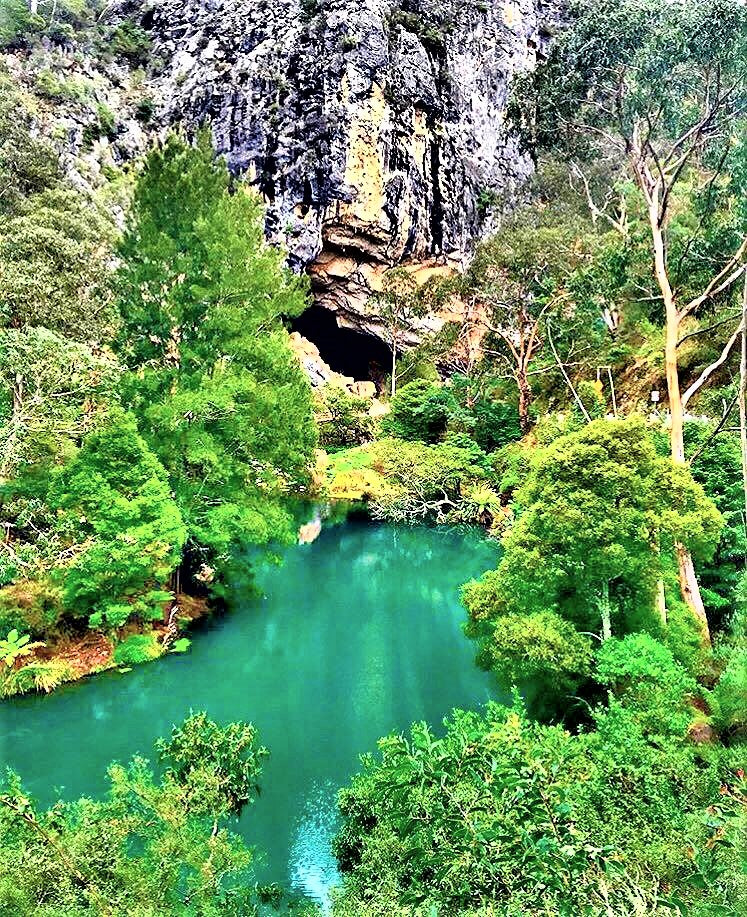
(348, 351)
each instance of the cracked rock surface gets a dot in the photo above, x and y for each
(374, 129)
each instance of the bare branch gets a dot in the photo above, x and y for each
(567, 378)
(722, 281)
(710, 370)
(692, 334)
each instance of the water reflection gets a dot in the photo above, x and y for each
(311, 866)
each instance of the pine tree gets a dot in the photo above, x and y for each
(213, 382)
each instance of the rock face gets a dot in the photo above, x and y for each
(374, 129)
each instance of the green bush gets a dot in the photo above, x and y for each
(33, 606)
(37, 676)
(343, 418)
(137, 648)
(643, 672)
(17, 23)
(144, 110)
(419, 412)
(728, 698)
(129, 41)
(104, 125)
(503, 816)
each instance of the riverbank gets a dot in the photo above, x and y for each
(72, 657)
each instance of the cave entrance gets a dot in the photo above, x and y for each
(348, 351)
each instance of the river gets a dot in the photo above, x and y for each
(353, 636)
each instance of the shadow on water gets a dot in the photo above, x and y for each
(353, 636)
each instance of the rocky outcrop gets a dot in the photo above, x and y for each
(375, 130)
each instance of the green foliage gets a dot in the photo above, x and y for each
(476, 407)
(150, 847)
(55, 255)
(16, 22)
(718, 468)
(445, 820)
(540, 651)
(217, 392)
(28, 164)
(36, 676)
(129, 41)
(642, 41)
(218, 766)
(15, 646)
(51, 395)
(644, 674)
(425, 482)
(137, 648)
(399, 304)
(600, 513)
(114, 496)
(503, 816)
(103, 125)
(32, 605)
(419, 412)
(343, 418)
(728, 698)
(426, 411)
(58, 21)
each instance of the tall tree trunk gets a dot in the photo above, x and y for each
(394, 366)
(605, 611)
(743, 395)
(688, 580)
(525, 400)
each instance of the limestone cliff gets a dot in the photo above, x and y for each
(374, 129)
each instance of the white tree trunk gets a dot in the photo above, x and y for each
(394, 367)
(743, 395)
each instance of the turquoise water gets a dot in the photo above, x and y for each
(356, 635)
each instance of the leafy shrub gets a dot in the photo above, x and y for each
(218, 766)
(540, 651)
(34, 606)
(343, 418)
(426, 482)
(37, 676)
(419, 411)
(144, 110)
(644, 674)
(17, 23)
(728, 698)
(143, 848)
(103, 125)
(137, 648)
(477, 408)
(504, 816)
(129, 41)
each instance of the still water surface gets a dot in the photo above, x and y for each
(355, 635)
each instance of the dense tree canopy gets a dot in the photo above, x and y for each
(218, 394)
(599, 515)
(153, 846)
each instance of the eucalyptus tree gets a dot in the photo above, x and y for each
(657, 92)
(522, 281)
